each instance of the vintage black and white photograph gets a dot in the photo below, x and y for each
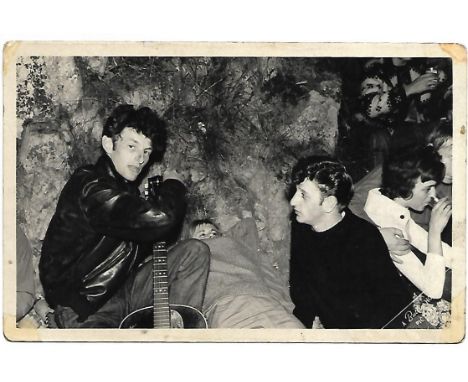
(313, 192)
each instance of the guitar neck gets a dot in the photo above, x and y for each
(161, 312)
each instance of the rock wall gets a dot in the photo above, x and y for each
(236, 128)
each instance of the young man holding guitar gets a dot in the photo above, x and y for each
(91, 266)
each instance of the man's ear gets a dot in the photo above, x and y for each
(329, 203)
(107, 144)
(410, 196)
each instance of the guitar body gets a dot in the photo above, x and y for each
(162, 315)
(182, 317)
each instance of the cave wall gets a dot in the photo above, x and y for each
(236, 128)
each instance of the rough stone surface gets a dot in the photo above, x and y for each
(43, 168)
(236, 128)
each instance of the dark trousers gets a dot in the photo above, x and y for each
(188, 266)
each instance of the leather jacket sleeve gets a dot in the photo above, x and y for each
(119, 213)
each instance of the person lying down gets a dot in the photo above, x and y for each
(239, 292)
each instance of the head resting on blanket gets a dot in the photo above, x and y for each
(203, 229)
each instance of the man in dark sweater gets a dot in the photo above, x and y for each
(340, 272)
(91, 265)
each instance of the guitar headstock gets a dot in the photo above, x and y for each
(152, 185)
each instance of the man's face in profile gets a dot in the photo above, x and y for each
(422, 194)
(307, 202)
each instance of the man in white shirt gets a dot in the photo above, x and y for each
(408, 183)
(438, 136)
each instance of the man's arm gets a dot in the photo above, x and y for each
(385, 292)
(396, 243)
(300, 294)
(428, 277)
(378, 99)
(117, 213)
(419, 238)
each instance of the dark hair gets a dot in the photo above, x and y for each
(411, 135)
(402, 169)
(330, 176)
(144, 121)
(440, 134)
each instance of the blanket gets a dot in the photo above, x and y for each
(243, 290)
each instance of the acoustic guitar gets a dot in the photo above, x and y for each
(162, 315)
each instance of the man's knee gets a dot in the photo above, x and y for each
(201, 249)
(197, 250)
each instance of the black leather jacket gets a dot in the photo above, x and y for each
(99, 234)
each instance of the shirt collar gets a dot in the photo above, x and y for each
(380, 205)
